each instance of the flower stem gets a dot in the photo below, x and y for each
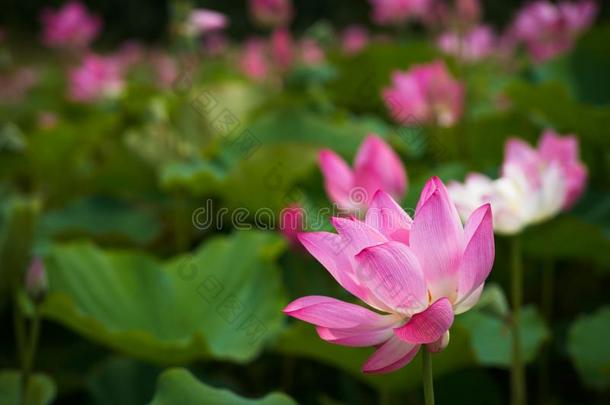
(517, 371)
(427, 377)
(30, 353)
(547, 312)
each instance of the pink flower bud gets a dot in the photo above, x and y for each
(36, 283)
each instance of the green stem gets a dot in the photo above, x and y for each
(19, 334)
(547, 311)
(427, 377)
(547, 289)
(517, 369)
(30, 354)
(180, 228)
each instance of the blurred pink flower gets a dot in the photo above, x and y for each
(271, 13)
(376, 167)
(311, 52)
(70, 26)
(15, 86)
(553, 151)
(425, 93)
(291, 222)
(166, 69)
(472, 46)
(396, 12)
(548, 29)
(535, 185)
(97, 77)
(215, 43)
(36, 283)
(253, 60)
(282, 48)
(419, 273)
(354, 39)
(130, 53)
(47, 120)
(202, 21)
(468, 11)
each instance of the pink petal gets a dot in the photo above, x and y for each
(436, 239)
(377, 167)
(355, 337)
(392, 355)
(338, 178)
(554, 147)
(440, 344)
(428, 326)
(564, 151)
(291, 222)
(329, 249)
(357, 234)
(468, 301)
(392, 273)
(385, 215)
(479, 253)
(332, 313)
(520, 153)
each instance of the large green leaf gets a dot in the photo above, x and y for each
(588, 346)
(120, 381)
(178, 386)
(20, 217)
(104, 219)
(223, 301)
(550, 104)
(590, 63)
(491, 336)
(568, 238)
(40, 390)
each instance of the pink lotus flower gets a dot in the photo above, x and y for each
(425, 93)
(130, 53)
(215, 43)
(396, 12)
(166, 69)
(70, 27)
(311, 52)
(553, 151)
(535, 184)
(282, 49)
(354, 39)
(472, 46)
(272, 13)
(203, 21)
(291, 222)
(14, 86)
(419, 273)
(468, 11)
(376, 167)
(253, 61)
(98, 77)
(548, 29)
